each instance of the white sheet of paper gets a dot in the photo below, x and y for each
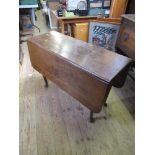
(72, 4)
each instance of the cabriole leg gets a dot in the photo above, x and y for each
(91, 117)
(104, 109)
(46, 82)
(105, 104)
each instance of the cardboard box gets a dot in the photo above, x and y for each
(80, 31)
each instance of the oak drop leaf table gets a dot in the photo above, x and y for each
(84, 71)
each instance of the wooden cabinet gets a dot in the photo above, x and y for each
(126, 37)
(80, 31)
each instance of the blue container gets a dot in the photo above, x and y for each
(28, 2)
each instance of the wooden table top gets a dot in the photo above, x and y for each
(102, 63)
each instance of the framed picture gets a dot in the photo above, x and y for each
(103, 34)
(96, 5)
(104, 4)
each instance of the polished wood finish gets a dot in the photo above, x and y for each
(85, 71)
(118, 7)
(126, 37)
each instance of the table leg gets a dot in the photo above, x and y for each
(105, 112)
(33, 16)
(46, 82)
(105, 104)
(91, 117)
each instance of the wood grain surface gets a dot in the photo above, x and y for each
(84, 71)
